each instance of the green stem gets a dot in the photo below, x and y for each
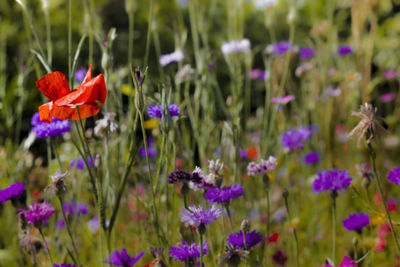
(285, 197)
(378, 183)
(334, 196)
(47, 247)
(53, 147)
(150, 20)
(69, 232)
(229, 216)
(69, 42)
(201, 250)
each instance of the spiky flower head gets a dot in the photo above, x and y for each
(198, 215)
(121, 258)
(356, 221)
(331, 180)
(188, 254)
(233, 255)
(38, 214)
(368, 126)
(57, 186)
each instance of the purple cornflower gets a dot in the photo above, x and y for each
(176, 56)
(331, 180)
(293, 139)
(156, 111)
(252, 239)
(224, 194)
(243, 153)
(263, 167)
(73, 207)
(121, 258)
(179, 176)
(345, 50)
(235, 46)
(13, 192)
(197, 215)
(80, 74)
(53, 129)
(279, 257)
(60, 223)
(356, 221)
(185, 253)
(306, 53)
(38, 213)
(394, 176)
(64, 265)
(311, 158)
(199, 180)
(279, 48)
(79, 163)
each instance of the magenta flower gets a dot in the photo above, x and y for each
(387, 97)
(306, 53)
(121, 258)
(345, 50)
(390, 74)
(347, 262)
(38, 213)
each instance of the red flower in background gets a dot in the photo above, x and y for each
(89, 96)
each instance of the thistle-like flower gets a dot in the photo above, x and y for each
(369, 124)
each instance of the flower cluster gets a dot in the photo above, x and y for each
(235, 46)
(53, 129)
(167, 59)
(185, 253)
(394, 176)
(356, 221)
(13, 192)
(38, 213)
(225, 194)
(197, 215)
(331, 180)
(156, 111)
(252, 239)
(262, 167)
(121, 258)
(293, 139)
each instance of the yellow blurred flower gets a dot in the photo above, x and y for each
(151, 124)
(126, 89)
(377, 219)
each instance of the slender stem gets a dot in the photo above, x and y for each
(285, 197)
(69, 231)
(201, 250)
(69, 42)
(47, 247)
(334, 196)
(229, 216)
(378, 183)
(268, 213)
(150, 20)
(53, 147)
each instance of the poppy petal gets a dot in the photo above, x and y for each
(53, 85)
(88, 76)
(49, 110)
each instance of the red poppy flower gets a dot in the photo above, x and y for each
(273, 238)
(89, 97)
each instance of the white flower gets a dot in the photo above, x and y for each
(176, 56)
(107, 122)
(235, 46)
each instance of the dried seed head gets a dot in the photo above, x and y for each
(368, 126)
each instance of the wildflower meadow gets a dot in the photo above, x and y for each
(200, 133)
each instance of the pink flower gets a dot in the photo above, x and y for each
(389, 74)
(387, 97)
(347, 262)
(283, 100)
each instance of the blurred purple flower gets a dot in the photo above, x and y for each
(279, 257)
(64, 265)
(53, 129)
(311, 158)
(155, 111)
(176, 56)
(93, 224)
(387, 97)
(331, 180)
(394, 176)
(293, 139)
(252, 239)
(279, 48)
(243, 153)
(356, 221)
(80, 74)
(283, 100)
(345, 50)
(79, 163)
(13, 192)
(224, 194)
(185, 253)
(390, 74)
(73, 207)
(121, 258)
(60, 223)
(306, 53)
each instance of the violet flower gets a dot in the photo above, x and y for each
(13, 192)
(53, 129)
(331, 180)
(252, 239)
(121, 258)
(198, 216)
(394, 176)
(38, 213)
(356, 221)
(185, 253)
(225, 194)
(156, 111)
